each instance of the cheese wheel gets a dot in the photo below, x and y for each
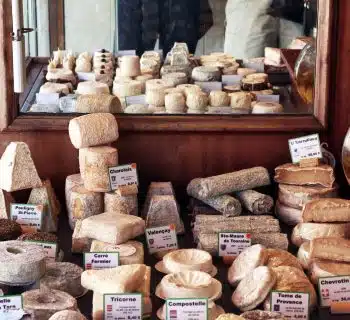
(65, 75)
(219, 99)
(92, 87)
(206, 74)
(232, 88)
(288, 215)
(50, 87)
(304, 255)
(137, 109)
(113, 202)
(95, 163)
(93, 130)
(241, 100)
(118, 79)
(197, 100)
(83, 204)
(267, 108)
(254, 82)
(176, 78)
(175, 102)
(245, 71)
(127, 88)
(129, 66)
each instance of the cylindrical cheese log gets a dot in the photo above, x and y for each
(219, 99)
(267, 107)
(93, 130)
(83, 204)
(129, 66)
(113, 202)
(227, 205)
(127, 88)
(143, 79)
(229, 182)
(241, 100)
(206, 74)
(197, 100)
(175, 101)
(158, 84)
(256, 202)
(288, 215)
(72, 181)
(155, 97)
(92, 87)
(95, 164)
(98, 103)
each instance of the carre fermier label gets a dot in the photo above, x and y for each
(121, 176)
(293, 305)
(29, 216)
(231, 244)
(334, 289)
(122, 306)
(186, 309)
(11, 307)
(161, 239)
(307, 147)
(101, 260)
(50, 249)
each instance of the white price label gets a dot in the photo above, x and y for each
(123, 176)
(136, 100)
(48, 98)
(161, 239)
(29, 216)
(231, 244)
(121, 307)
(50, 249)
(258, 66)
(268, 98)
(334, 289)
(209, 86)
(86, 76)
(229, 80)
(11, 307)
(308, 147)
(126, 53)
(186, 309)
(293, 305)
(101, 260)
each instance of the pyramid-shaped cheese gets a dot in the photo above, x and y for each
(122, 279)
(17, 169)
(5, 204)
(46, 196)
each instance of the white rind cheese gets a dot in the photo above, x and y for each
(267, 108)
(128, 88)
(204, 74)
(219, 99)
(241, 100)
(114, 202)
(129, 66)
(197, 100)
(92, 87)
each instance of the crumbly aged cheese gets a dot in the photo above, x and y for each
(21, 262)
(295, 175)
(175, 102)
(83, 204)
(80, 244)
(63, 75)
(67, 315)
(137, 109)
(197, 100)
(17, 169)
(50, 87)
(5, 204)
(179, 58)
(122, 279)
(74, 180)
(277, 258)
(297, 196)
(128, 190)
(241, 100)
(327, 210)
(130, 252)
(94, 165)
(98, 103)
(163, 210)
(176, 78)
(219, 99)
(112, 227)
(245, 71)
(337, 249)
(262, 315)
(128, 88)
(63, 276)
(288, 215)
(68, 61)
(171, 69)
(267, 107)
(143, 79)
(114, 202)
(129, 66)
(304, 255)
(92, 87)
(42, 304)
(326, 269)
(206, 74)
(93, 130)
(256, 202)
(46, 196)
(9, 229)
(304, 232)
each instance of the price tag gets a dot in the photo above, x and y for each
(161, 238)
(268, 98)
(86, 76)
(11, 307)
(122, 306)
(209, 86)
(136, 100)
(48, 98)
(50, 249)
(123, 176)
(229, 80)
(307, 147)
(29, 216)
(101, 260)
(293, 305)
(126, 53)
(186, 309)
(334, 289)
(231, 244)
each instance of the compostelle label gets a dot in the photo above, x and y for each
(186, 309)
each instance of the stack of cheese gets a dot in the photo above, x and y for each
(257, 271)
(225, 62)
(135, 278)
(84, 62)
(300, 185)
(150, 63)
(103, 66)
(18, 172)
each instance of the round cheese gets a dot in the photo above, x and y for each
(288, 215)
(143, 79)
(130, 66)
(92, 87)
(241, 100)
(65, 75)
(219, 99)
(267, 108)
(176, 78)
(206, 74)
(304, 255)
(127, 88)
(188, 88)
(231, 70)
(96, 103)
(137, 109)
(196, 111)
(197, 100)
(175, 102)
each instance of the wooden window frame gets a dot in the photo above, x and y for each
(11, 120)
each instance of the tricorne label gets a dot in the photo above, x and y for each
(307, 147)
(231, 244)
(186, 309)
(122, 306)
(125, 175)
(334, 289)
(29, 216)
(161, 239)
(50, 249)
(101, 260)
(293, 305)
(11, 307)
